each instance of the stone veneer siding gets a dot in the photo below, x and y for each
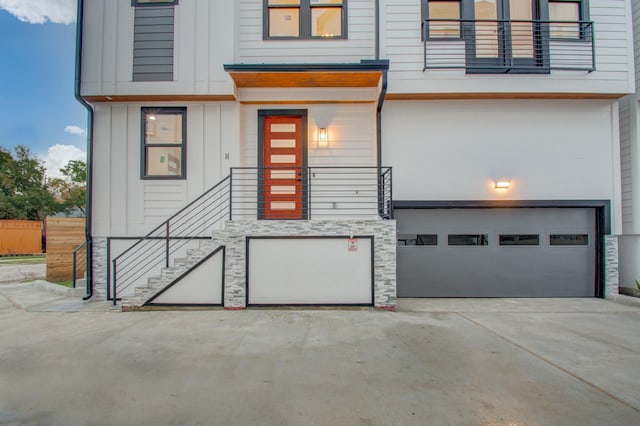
(99, 269)
(383, 231)
(611, 264)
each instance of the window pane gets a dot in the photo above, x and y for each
(520, 240)
(418, 240)
(284, 23)
(326, 22)
(444, 10)
(164, 161)
(468, 240)
(486, 32)
(521, 32)
(326, 1)
(569, 239)
(564, 11)
(163, 128)
(287, 2)
(154, 1)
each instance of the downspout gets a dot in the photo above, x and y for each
(89, 194)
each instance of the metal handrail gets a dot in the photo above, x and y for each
(194, 221)
(328, 192)
(502, 45)
(75, 261)
(325, 192)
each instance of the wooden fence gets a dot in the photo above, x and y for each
(64, 234)
(20, 237)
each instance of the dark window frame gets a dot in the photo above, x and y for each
(425, 25)
(144, 145)
(583, 15)
(304, 18)
(156, 3)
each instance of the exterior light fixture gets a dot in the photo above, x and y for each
(323, 139)
(502, 184)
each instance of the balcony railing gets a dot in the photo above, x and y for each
(311, 193)
(502, 46)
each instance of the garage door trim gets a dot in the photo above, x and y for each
(602, 226)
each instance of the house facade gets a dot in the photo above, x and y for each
(629, 239)
(261, 152)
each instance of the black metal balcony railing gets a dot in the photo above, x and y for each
(311, 193)
(501, 46)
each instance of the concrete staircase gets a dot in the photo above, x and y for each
(168, 275)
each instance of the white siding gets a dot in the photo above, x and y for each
(253, 49)
(455, 150)
(351, 127)
(635, 6)
(625, 166)
(401, 43)
(203, 43)
(125, 204)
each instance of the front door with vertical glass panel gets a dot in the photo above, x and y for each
(503, 36)
(282, 174)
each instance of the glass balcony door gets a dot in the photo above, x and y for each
(503, 37)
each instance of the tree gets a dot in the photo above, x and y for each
(71, 191)
(25, 192)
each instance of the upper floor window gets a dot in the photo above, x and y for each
(565, 13)
(164, 143)
(152, 2)
(438, 11)
(305, 19)
(514, 36)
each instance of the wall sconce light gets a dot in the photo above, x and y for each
(502, 184)
(323, 139)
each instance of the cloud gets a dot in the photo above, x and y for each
(74, 130)
(41, 11)
(59, 155)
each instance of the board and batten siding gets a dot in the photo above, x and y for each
(153, 44)
(401, 44)
(351, 132)
(252, 49)
(635, 11)
(203, 42)
(626, 170)
(126, 205)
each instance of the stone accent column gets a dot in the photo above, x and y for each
(99, 269)
(611, 264)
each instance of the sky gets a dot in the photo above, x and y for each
(37, 71)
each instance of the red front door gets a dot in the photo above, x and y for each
(283, 163)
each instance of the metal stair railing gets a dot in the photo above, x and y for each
(194, 221)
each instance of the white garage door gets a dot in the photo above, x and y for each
(310, 271)
(496, 252)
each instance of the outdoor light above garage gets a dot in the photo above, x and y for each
(502, 184)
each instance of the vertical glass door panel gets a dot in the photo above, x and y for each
(486, 32)
(521, 32)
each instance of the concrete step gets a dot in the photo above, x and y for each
(168, 274)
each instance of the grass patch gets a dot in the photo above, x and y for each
(23, 260)
(68, 283)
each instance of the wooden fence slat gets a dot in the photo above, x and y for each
(20, 237)
(64, 234)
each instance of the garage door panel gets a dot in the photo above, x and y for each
(495, 270)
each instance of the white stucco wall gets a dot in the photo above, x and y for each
(549, 150)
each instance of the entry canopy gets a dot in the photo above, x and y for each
(367, 73)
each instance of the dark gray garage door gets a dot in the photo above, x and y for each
(499, 252)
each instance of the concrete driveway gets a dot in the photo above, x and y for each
(439, 362)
